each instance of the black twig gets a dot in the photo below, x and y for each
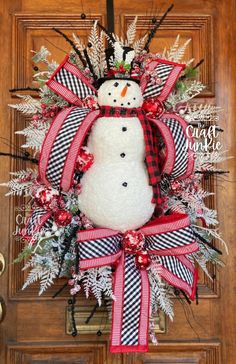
(92, 313)
(60, 290)
(198, 64)
(210, 173)
(197, 301)
(77, 258)
(194, 68)
(72, 45)
(157, 25)
(24, 89)
(68, 241)
(204, 241)
(110, 36)
(22, 157)
(186, 297)
(74, 329)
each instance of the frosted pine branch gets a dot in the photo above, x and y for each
(30, 106)
(34, 135)
(98, 281)
(206, 114)
(160, 294)
(22, 183)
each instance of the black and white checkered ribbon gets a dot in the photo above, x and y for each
(165, 73)
(62, 144)
(69, 82)
(38, 219)
(179, 161)
(171, 239)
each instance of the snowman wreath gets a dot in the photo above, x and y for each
(117, 203)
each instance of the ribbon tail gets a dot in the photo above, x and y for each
(130, 318)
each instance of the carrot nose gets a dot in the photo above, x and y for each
(123, 92)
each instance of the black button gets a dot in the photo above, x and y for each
(124, 128)
(125, 184)
(122, 155)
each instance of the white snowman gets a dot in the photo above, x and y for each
(115, 190)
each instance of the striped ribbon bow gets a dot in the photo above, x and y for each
(171, 239)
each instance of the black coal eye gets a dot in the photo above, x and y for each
(109, 93)
(128, 84)
(128, 103)
(134, 98)
(116, 84)
(114, 100)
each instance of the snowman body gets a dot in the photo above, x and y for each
(115, 191)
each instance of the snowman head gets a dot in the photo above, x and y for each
(120, 92)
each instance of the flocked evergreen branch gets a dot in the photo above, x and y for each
(160, 292)
(212, 234)
(49, 97)
(41, 55)
(191, 89)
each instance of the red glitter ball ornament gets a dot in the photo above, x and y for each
(85, 159)
(142, 259)
(62, 217)
(133, 241)
(153, 107)
(175, 187)
(48, 198)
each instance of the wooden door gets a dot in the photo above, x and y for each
(34, 329)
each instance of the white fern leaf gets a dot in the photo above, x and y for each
(178, 54)
(47, 278)
(94, 50)
(118, 52)
(78, 42)
(131, 32)
(173, 48)
(139, 45)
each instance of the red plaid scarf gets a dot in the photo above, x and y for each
(150, 143)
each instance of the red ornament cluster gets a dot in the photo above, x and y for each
(47, 112)
(133, 243)
(142, 259)
(62, 217)
(153, 107)
(47, 198)
(85, 160)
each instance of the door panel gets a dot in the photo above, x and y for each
(34, 329)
